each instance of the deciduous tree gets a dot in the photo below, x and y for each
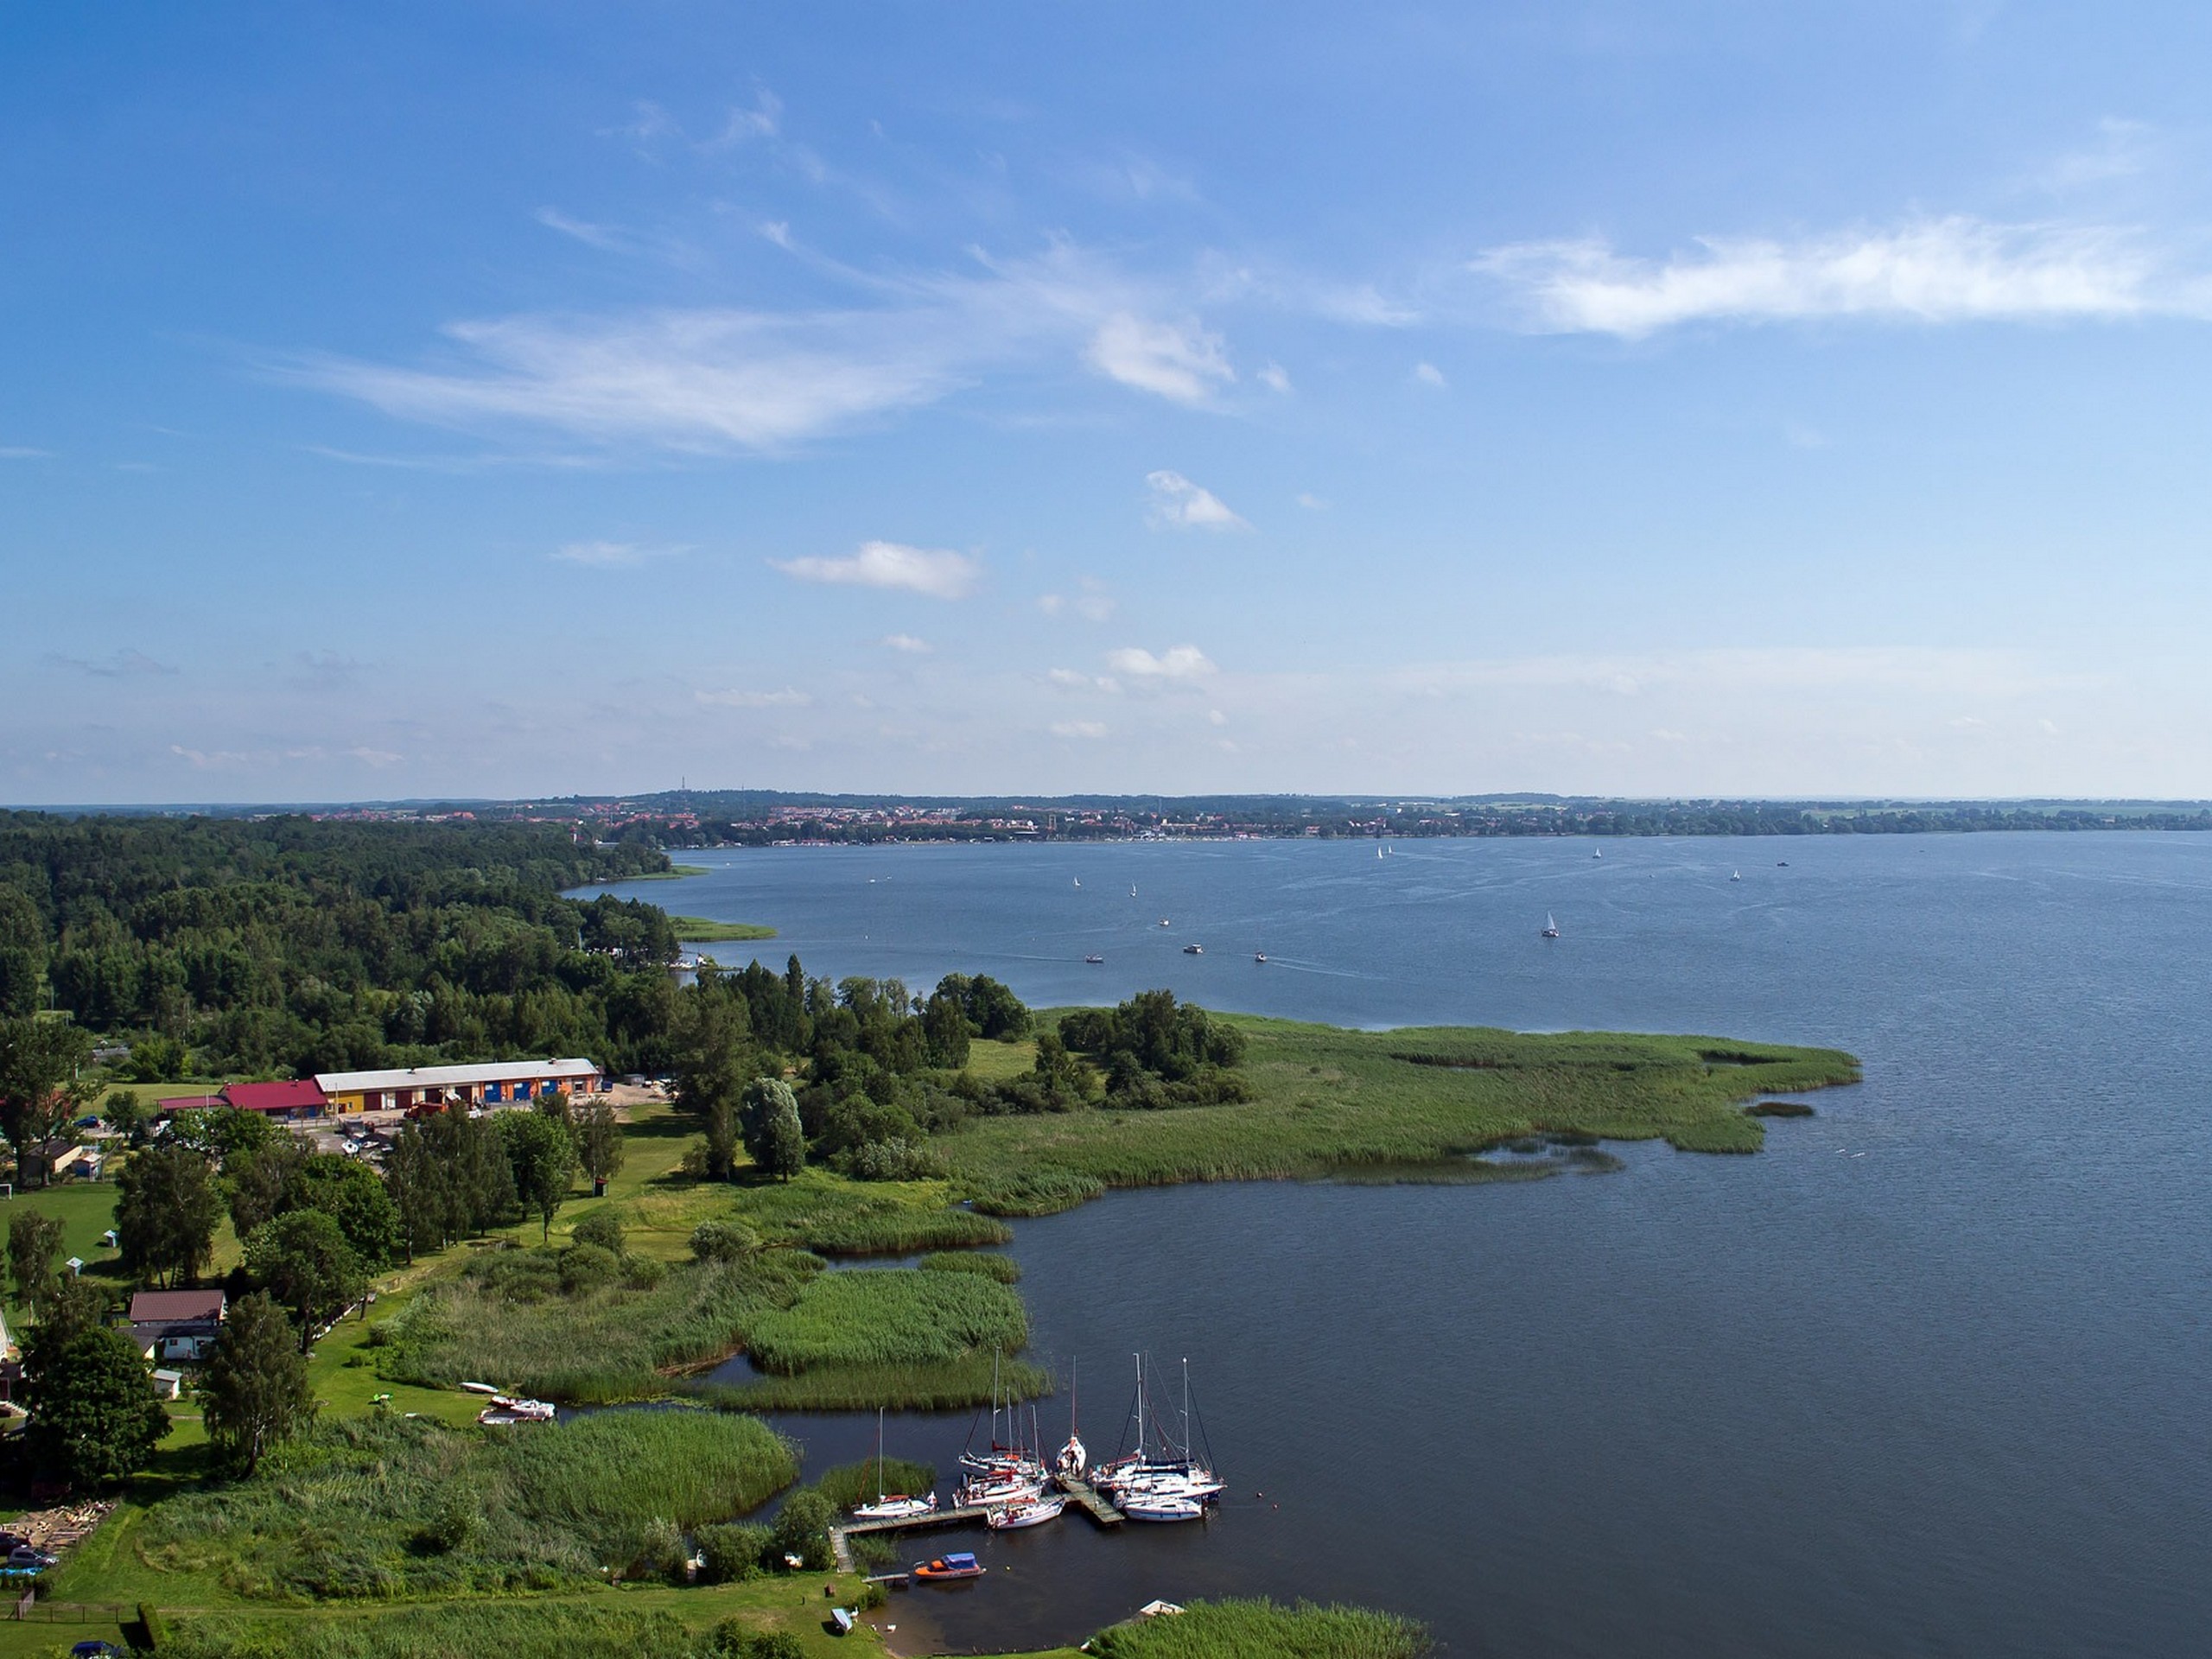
(254, 1392)
(167, 1209)
(94, 1419)
(34, 1250)
(41, 1092)
(543, 1158)
(303, 1261)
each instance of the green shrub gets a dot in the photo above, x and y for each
(801, 1528)
(723, 1241)
(603, 1227)
(587, 1268)
(733, 1639)
(730, 1551)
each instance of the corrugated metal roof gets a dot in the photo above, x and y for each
(273, 1097)
(440, 1076)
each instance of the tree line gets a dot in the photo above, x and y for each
(289, 945)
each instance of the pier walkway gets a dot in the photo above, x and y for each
(1081, 1493)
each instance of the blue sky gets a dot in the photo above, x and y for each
(1696, 398)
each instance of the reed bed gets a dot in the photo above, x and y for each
(887, 1316)
(458, 1630)
(1330, 1100)
(601, 1347)
(821, 1212)
(859, 1482)
(387, 1509)
(1004, 1268)
(1264, 1629)
(950, 1385)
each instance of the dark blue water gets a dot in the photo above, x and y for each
(1927, 1377)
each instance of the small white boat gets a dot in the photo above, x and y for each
(1093, 959)
(1735, 875)
(1163, 921)
(505, 1408)
(1551, 926)
(899, 1508)
(1597, 852)
(1078, 881)
(1259, 956)
(987, 1493)
(1133, 889)
(1034, 1512)
(1148, 1508)
(479, 1388)
(1194, 950)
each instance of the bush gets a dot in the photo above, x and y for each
(602, 1228)
(733, 1639)
(891, 1160)
(723, 1241)
(730, 1552)
(586, 1266)
(801, 1528)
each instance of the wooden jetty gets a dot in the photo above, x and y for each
(1083, 1492)
(1080, 1492)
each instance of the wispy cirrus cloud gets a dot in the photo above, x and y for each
(1932, 270)
(23, 452)
(703, 379)
(906, 643)
(128, 664)
(614, 555)
(1176, 662)
(1179, 503)
(1092, 729)
(787, 698)
(935, 572)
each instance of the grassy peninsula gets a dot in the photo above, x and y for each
(699, 930)
(1328, 1101)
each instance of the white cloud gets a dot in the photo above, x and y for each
(612, 555)
(603, 237)
(23, 452)
(907, 643)
(786, 698)
(1176, 662)
(937, 573)
(1311, 502)
(1215, 717)
(1275, 377)
(1428, 374)
(127, 663)
(1052, 604)
(1093, 603)
(1935, 271)
(1179, 361)
(705, 379)
(763, 120)
(1090, 728)
(1177, 501)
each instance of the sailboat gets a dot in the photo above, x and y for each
(1551, 926)
(1735, 875)
(886, 1507)
(1073, 1458)
(1008, 1474)
(1078, 881)
(1597, 852)
(1133, 889)
(1168, 1484)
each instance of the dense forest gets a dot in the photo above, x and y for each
(288, 945)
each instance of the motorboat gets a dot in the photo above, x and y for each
(1259, 956)
(1194, 950)
(983, 1493)
(1164, 922)
(1034, 1512)
(506, 1409)
(1094, 960)
(949, 1569)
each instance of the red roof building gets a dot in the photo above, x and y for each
(303, 1099)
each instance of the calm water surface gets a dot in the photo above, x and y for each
(1925, 1377)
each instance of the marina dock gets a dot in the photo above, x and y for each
(1081, 1493)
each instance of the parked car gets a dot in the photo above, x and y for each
(96, 1650)
(24, 1555)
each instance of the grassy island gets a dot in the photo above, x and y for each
(699, 930)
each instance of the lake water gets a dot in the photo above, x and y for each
(1927, 1377)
